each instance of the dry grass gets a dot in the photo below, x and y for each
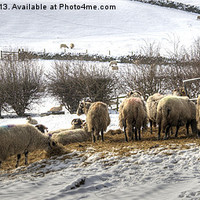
(114, 143)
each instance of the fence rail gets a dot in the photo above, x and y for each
(115, 101)
(185, 86)
(13, 55)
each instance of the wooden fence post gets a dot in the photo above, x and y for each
(117, 103)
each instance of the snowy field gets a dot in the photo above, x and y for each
(121, 31)
(157, 173)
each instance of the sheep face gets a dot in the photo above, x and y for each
(55, 148)
(179, 92)
(83, 108)
(41, 128)
(134, 94)
(76, 121)
(80, 109)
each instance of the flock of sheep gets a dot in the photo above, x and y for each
(165, 111)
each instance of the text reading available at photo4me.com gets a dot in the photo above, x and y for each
(61, 6)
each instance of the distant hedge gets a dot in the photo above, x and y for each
(172, 4)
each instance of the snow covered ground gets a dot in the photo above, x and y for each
(157, 173)
(121, 31)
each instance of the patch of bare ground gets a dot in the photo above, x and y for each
(114, 144)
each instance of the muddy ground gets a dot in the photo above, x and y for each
(116, 144)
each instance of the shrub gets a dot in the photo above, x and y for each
(22, 84)
(72, 82)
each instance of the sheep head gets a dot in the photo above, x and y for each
(77, 121)
(83, 107)
(55, 148)
(134, 93)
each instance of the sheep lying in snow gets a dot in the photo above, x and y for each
(113, 64)
(18, 139)
(151, 105)
(30, 120)
(175, 111)
(132, 115)
(56, 109)
(70, 136)
(97, 117)
(198, 115)
(77, 123)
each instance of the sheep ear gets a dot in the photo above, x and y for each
(53, 144)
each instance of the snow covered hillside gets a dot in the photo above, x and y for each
(121, 31)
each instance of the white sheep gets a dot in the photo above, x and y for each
(56, 109)
(132, 116)
(63, 46)
(175, 111)
(72, 135)
(198, 115)
(76, 123)
(30, 120)
(179, 92)
(71, 45)
(151, 105)
(83, 107)
(41, 128)
(113, 65)
(97, 117)
(18, 139)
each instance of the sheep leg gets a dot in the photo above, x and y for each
(98, 137)
(132, 133)
(159, 130)
(26, 157)
(139, 134)
(93, 137)
(172, 133)
(0, 164)
(151, 124)
(18, 159)
(136, 134)
(187, 128)
(126, 139)
(102, 138)
(177, 128)
(167, 133)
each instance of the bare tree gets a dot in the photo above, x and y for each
(22, 83)
(72, 82)
(147, 79)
